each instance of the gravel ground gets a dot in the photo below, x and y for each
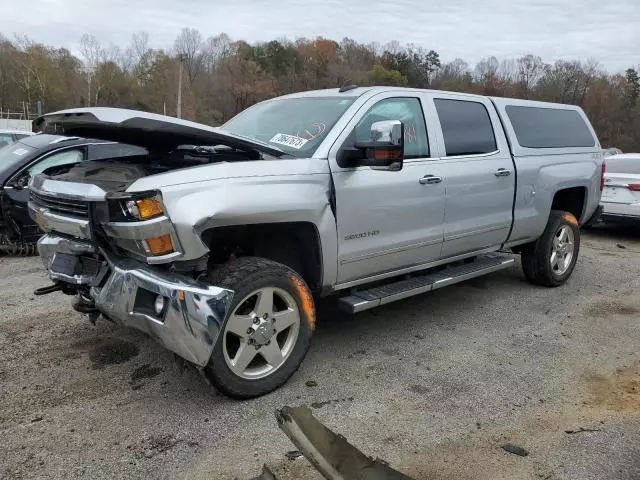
(435, 384)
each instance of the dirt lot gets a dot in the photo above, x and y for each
(435, 385)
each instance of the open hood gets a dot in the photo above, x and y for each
(144, 129)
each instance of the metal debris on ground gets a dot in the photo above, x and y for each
(331, 454)
(266, 474)
(515, 450)
(582, 429)
(294, 455)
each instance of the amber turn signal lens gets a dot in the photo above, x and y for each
(149, 207)
(160, 245)
(387, 154)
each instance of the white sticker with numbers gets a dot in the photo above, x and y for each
(289, 140)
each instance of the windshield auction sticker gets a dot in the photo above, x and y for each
(289, 140)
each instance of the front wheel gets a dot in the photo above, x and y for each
(268, 330)
(550, 260)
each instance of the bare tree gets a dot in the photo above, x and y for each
(530, 69)
(455, 68)
(94, 55)
(568, 81)
(508, 70)
(90, 50)
(486, 67)
(215, 48)
(189, 45)
(393, 47)
(31, 62)
(138, 57)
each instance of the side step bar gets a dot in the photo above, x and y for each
(362, 300)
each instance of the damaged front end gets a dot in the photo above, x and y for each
(115, 246)
(181, 313)
(100, 246)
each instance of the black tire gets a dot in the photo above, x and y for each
(536, 257)
(244, 276)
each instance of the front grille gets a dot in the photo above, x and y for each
(62, 206)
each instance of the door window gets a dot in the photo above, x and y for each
(5, 139)
(104, 151)
(466, 127)
(66, 157)
(409, 112)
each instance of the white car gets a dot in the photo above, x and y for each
(607, 152)
(7, 137)
(621, 194)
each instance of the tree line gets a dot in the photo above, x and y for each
(222, 76)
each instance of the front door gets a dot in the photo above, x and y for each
(388, 219)
(480, 182)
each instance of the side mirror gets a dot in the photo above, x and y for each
(386, 148)
(21, 182)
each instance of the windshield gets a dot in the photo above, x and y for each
(11, 156)
(295, 125)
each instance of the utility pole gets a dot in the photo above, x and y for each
(88, 71)
(181, 58)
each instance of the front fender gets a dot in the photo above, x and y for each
(197, 207)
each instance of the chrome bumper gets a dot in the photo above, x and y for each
(194, 312)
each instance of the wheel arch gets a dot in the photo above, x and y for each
(295, 244)
(572, 200)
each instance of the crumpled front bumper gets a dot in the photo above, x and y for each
(124, 289)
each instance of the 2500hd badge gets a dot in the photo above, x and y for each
(353, 236)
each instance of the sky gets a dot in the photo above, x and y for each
(605, 30)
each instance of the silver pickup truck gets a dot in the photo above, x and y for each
(218, 242)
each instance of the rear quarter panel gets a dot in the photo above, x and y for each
(542, 172)
(540, 177)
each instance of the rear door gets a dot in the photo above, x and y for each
(479, 174)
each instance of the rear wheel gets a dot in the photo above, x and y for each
(550, 260)
(268, 330)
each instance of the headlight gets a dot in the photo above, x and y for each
(144, 208)
(130, 226)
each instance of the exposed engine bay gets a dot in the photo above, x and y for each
(115, 175)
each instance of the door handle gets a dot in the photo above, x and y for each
(430, 179)
(502, 172)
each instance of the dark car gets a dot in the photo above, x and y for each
(36, 154)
